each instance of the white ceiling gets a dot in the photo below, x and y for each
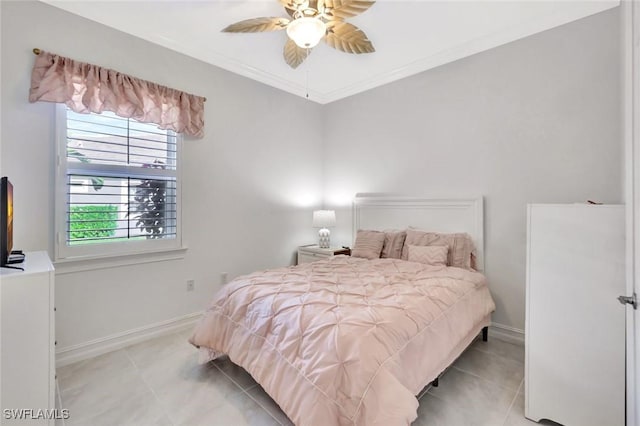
(409, 36)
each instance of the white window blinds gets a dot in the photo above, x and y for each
(120, 179)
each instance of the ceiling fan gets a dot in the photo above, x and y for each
(313, 20)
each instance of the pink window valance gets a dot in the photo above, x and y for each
(87, 88)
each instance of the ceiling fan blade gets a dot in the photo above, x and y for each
(256, 25)
(295, 4)
(341, 9)
(289, 6)
(292, 6)
(347, 38)
(294, 55)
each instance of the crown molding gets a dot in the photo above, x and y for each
(241, 69)
(461, 51)
(515, 32)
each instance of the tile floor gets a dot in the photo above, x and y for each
(159, 382)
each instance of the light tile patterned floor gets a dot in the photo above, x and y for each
(159, 382)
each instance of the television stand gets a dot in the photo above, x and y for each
(13, 267)
(28, 337)
(15, 258)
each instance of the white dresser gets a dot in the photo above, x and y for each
(575, 326)
(28, 337)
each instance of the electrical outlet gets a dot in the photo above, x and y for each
(224, 277)
(191, 285)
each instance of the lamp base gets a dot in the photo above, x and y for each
(324, 238)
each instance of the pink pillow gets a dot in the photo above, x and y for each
(429, 255)
(393, 243)
(460, 245)
(368, 244)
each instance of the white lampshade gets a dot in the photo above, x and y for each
(306, 32)
(324, 218)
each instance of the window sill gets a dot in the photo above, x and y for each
(92, 263)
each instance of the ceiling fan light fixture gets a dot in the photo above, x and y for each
(306, 32)
(310, 21)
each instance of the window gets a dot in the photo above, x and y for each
(117, 186)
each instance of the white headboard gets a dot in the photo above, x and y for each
(380, 212)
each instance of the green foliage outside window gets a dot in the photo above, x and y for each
(103, 221)
(151, 204)
(150, 200)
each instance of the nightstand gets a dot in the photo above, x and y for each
(312, 253)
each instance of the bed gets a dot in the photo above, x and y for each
(351, 341)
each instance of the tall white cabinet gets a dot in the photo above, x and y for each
(28, 337)
(575, 327)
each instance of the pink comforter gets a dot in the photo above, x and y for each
(346, 341)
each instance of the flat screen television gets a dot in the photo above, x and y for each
(6, 220)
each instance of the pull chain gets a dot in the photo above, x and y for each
(307, 73)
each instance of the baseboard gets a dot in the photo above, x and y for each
(506, 333)
(93, 348)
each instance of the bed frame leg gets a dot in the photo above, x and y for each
(485, 334)
(435, 383)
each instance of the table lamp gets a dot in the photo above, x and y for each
(324, 219)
